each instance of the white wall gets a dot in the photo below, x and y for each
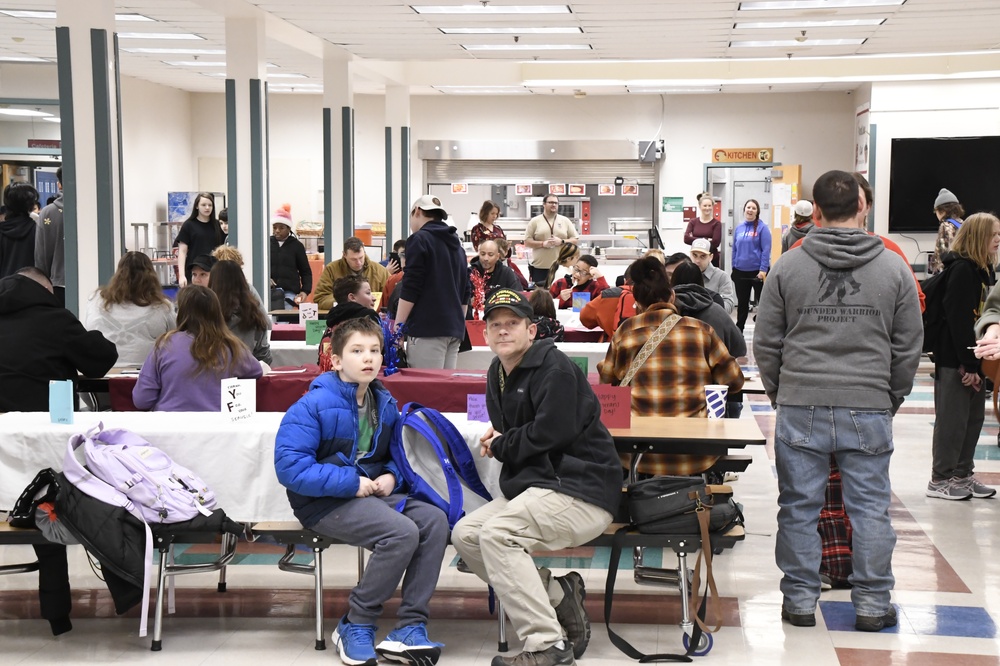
(159, 155)
(923, 110)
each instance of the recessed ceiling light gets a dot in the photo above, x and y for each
(6, 58)
(168, 51)
(158, 35)
(511, 31)
(483, 8)
(527, 47)
(796, 25)
(24, 112)
(794, 42)
(817, 4)
(53, 119)
(664, 90)
(286, 75)
(36, 14)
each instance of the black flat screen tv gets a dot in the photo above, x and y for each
(968, 166)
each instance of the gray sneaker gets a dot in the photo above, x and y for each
(551, 656)
(949, 489)
(979, 490)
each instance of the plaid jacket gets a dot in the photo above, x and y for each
(671, 382)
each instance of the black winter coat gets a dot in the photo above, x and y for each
(290, 266)
(552, 432)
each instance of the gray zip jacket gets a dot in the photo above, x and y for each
(839, 324)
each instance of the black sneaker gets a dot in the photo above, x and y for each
(799, 619)
(571, 613)
(552, 656)
(876, 622)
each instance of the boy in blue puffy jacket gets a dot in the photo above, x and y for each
(332, 454)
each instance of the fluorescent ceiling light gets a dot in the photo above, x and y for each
(166, 51)
(836, 23)
(36, 14)
(158, 35)
(483, 8)
(24, 112)
(53, 119)
(6, 58)
(201, 63)
(527, 47)
(511, 31)
(663, 90)
(482, 90)
(817, 4)
(795, 42)
(285, 75)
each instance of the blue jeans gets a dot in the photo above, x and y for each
(861, 441)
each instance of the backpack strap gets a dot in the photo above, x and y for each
(652, 342)
(461, 454)
(411, 417)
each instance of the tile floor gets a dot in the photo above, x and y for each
(946, 564)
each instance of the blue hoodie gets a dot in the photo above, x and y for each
(752, 247)
(436, 281)
(317, 442)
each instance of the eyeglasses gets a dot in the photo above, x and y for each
(580, 271)
(551, 203)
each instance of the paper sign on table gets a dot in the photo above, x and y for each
(307, 311)
(616, 405)
(476, 409)
(580, 299)
(239, 398)
(583, 362)
(314, 331)
(61, 401)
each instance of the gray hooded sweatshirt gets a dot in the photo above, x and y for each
(693, 300)
(839, 324)
(50, 243)
(794, 234)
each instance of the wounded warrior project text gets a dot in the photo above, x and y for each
(834, 314)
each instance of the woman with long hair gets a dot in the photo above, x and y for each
(184, 372)
(959, 394)
(199, 235)
(131, 310)
(546, 324)
(240, 309)
(586, 278)
(569, 254)
(671, 381)
(949, 213)
(706, 225)
(751, 259)
(487, 228)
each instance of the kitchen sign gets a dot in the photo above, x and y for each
(742, 154)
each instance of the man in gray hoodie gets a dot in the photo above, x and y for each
(50, 242)
(837, 342)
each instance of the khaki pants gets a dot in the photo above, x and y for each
(497, 539)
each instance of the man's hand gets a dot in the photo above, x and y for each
(384, 484)
(486, 442)
(393, 266)
(300, 297)
(182, 280)
(366, 487)
(971, 379)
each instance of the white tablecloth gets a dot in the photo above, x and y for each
(236, 460)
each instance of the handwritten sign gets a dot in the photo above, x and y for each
(476, 408)
(580, 299)
(239, 398)
(314, 331)
(61, 401)
(307, 311)
(616, 405)
(582, 362)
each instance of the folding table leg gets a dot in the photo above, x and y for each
(318, 582)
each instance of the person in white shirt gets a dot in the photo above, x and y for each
(544, 234)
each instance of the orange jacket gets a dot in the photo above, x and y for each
(608, 313)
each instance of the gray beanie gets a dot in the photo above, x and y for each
(945, 197)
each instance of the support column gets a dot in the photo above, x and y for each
(338, 149)
(397, 163)
(246, 141)
(88, 108)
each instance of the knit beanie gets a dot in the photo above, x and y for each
(945, 197)
(283, 215)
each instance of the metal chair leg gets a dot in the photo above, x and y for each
(318, 582)
(501, 627)
(161, 586)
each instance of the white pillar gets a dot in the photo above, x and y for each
(87, 91)
(398, 162)
(338, 149)
(246, 144)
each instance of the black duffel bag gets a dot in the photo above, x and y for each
(669, 504)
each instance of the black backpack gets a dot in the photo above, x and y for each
(934, 316)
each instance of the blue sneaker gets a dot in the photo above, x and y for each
(356, 643)
(410, 645)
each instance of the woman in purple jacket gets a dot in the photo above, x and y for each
(184, 372)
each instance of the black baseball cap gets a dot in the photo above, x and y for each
(204, 261)
(510, 299)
